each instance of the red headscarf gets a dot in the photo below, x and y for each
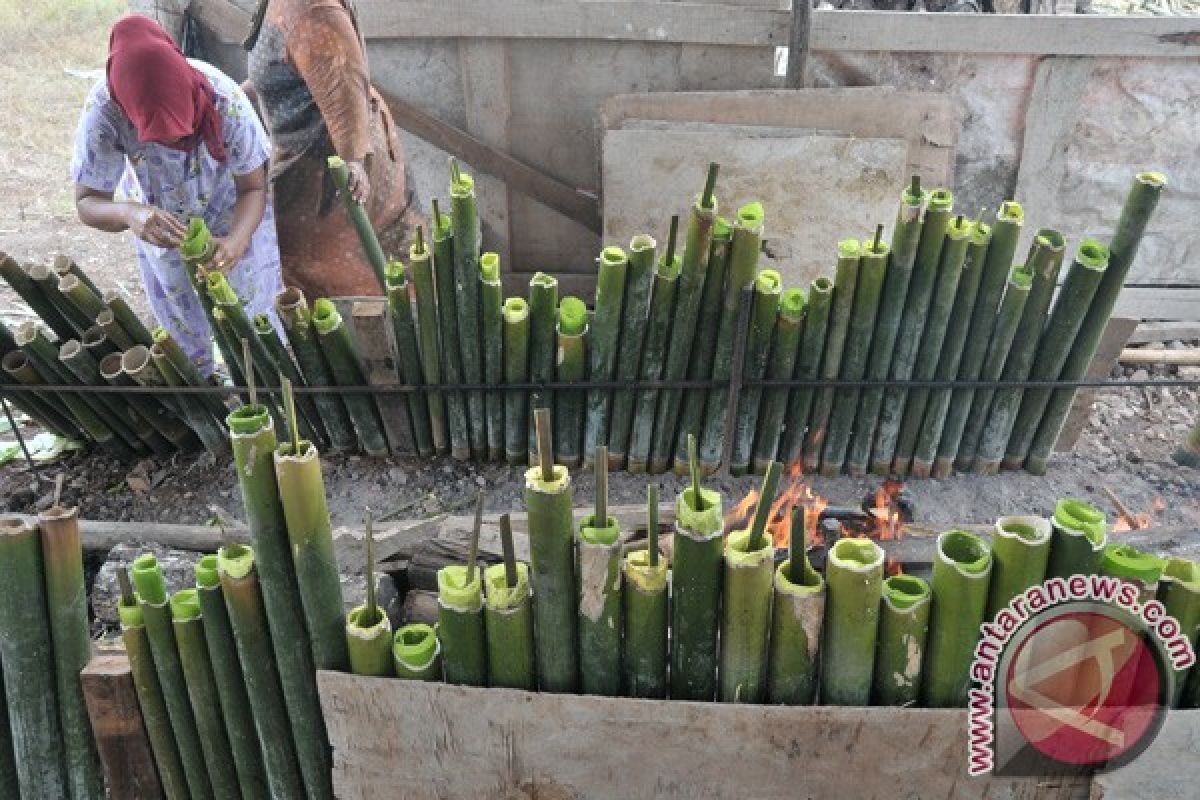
(167, 99)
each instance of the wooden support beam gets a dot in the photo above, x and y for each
(798, 43)
(1116, 334)
(373, 334)
(1144, 355)
(104, 535)
(1149, 332)
(116, 719)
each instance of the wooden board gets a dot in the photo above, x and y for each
(116, 721)
(1116, 334)
(1149, 332)
(372, 333)
(1167, 770)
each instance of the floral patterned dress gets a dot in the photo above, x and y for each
(108, 157)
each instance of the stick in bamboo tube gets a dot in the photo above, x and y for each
(961, 576)
(854, 575)
(369, 637)
(460, 615)
(639, 283)
(768, 289)
(797, 611)
(509, 619)
(645, 612)
(602, 345)
(598, 572)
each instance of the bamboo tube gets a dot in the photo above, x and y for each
(253, 437)
(447, 297)
(903, 632)
(190, 640)
(961, 574)
(18, 278)
(808, 361)
(96, 342)
(227, 674)
(268, 336)
(1044, 263)
(345, 370)
(86, 303)
(465, 221)
(1179, 592)
(129, 321)
(461, 626)
(302, 336)
(228, 307)
(197, 251)
(509, 619)
(137, 363)
(639, 281)
(1080, 534)
(743, 262)
(405, 332)
(543, 348)
(56, 416)
(516, 370)
(797, 610)
(132, 428)
(186, 370)
(602, 350)
(359, 219)
(8, 766)
(152, 599)
(492, 300)
(598, 572)
(644, 608)
(369, 639)
(782, 364)
(1135, 215)
(1188, 453)
(658, 327)
(1020, 553)
(548, 496)
(46, 281)
(696, 570)
(67, 614)
(26, 650)
(1134, 566)
(118, 339)
(854, 574)
(959, 234)
(571, 365)
(64, 265)
(417, 654)
(950, 359)
(421, 264)
(871, 275)
(768, 288)
(252, 636)
(1074, 299)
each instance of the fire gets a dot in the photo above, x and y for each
(888, 522)
(739, 516)
(893, 567)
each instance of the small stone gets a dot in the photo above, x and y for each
(1176, 345)
(480, 481)
(1133, 457)
(1140, 375)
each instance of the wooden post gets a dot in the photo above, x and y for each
(372, 333)
(116, 721)
(798, 43)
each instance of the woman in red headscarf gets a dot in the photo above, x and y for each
(163, 139)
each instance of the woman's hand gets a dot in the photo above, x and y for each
(358, 185)
(153, 225)
(228, 252)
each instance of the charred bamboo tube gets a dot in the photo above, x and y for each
(571, 366)
(598, 567)
(85, 302)
(1135, 215)
(186, 370)
(227, 674)
(903, 631)
(18, 278)
(39, 405)
(961, 574)
(602, 349)
(854, 574)
(465, 220)
(85, 370)
(1080, 534)
(635, 317)
(26, 649)
(46, 281)
(950, 360)
(872, 272)
(543, 347)
(118, 339)
(188, 624)
(921, 289)
(492, 300)
(302, 336)
(644, 600)
(345, 369)
(447, 296)
(808, 361)
(252, 637)
(784, 349)
(768, 288)
(516, 370)
(1179, 592)
(658, 327)
(405, 331)
(1020, 553)
(509, 622)
(421, 264)
(1044, 263)
(417, 653)
(310, 416)
(941, 307)
(1074, 299)
(1143, 570)
(797, 611)
(461, 626)
(359, 219)
(67, 614)
(743, 262)
(745, 619)
(129, 321)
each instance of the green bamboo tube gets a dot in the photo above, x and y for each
(1080, 534)
(369, 640)
(421, 264)
(447, 297)
(1044, 263)
(1135, 215)
(797, 611)
(598, 573)
(635, 318)
(152, 599)
(950, 359)
(1020, 553)
(543, 347)
(417, 653)
(96, 342)
(227, 673)
(253, 437)
(117, 338)
(310, 415)
(961, 574)
(56, 416)
(81, 298)
(602, 349)
(115, 412)
(8, 766)
(516, 370)
(696, 571)
(293, 312)
(1188, 453)
(1179, 592)
(768, 289)
(552, 563)
(569, 404)
(138, 364)
(745, 619)
(47, 282)
(27, 652)
(461, 626)
(922, 283)
(190, 640)
(310, 534)
(658, 328)
(1008, 318)
(359, 219)
(252, 637)
(1074, 299)
(742, 265)
(854, 575)
(345, 370)
(187, 370)
(129, 321)
(151, 701)
(1134, 566)
(872, 272)
(784, 350)
(236, 326)
(492, 300)
(808, 361)
(18, 278)
(509, 622)
(197, 250)
(645, 607)
(63, 265)
(903, 632)
(70, 633)
(465, 221)
(906, 235)
(959, 235)
(408, 348)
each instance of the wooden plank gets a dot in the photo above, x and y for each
(799, 44)
(1145, 355)
(373, 334)
(225, 20)
(1149, 332)
(1116, 334)
(486, 92)
(1159, 304)
(116, 719)
(1166, 770)
(104, 535)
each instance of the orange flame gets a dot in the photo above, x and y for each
(1121, 526)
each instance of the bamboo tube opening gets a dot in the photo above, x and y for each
(14, 361)
(613, 255)
(543, 281)
(905, 591)
(643, 575)
(791, 304)
(110, 366)
(207, 574)
(941, 200)
(235, 560)
(489, 267)
(415, 645)
(68, 282)
(561, 481)
(811, 583)
(722, 229)
(738, 554)
(462, 185)
(130, 614)
(26, 332)
(58, 513)
(860, 555)
(822, 285)
(706, 520)
(1050, 239)
(751, 216)
(768, 281)
(366, 623)
(1183, 571)
(1155, 180)
(981, 232)
(1021, 277)
(459, 587)
(185, 605)
(642, 242)
(262, 324)
(394, 275)
(1011, 211)
(515, 310)
(148, 580)
(219, 289)
(196, 241)
(325, 315)
(94, 337)
(69, 349)
(135, 359)
(849, 248)
(501, 594)
(1079, 516)
(965, 551)
(290, 299)
(1128, 562)
(599, 535)
(1030, 530)
(249, 420)
(1092, 254)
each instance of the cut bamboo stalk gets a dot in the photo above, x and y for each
(64, 265)
(465, 220)
(268, 336)
(428, 326)
(55, 416)
(797, 612)
(571, 366)
(644, 599)
(1020, 553)
(47, 280)
(197, 250)
(1142, 570)
(359, 219)
(120, 416)
(460, 615)
(138, 364)
(961, 574)
(346, 370)
(186, 370)
(492, 300)
(18, 278)
(658, 330)
(509, 619)
(1179, 592)
(369, 639)
(9, 784)
(768, 289)
(118, 339)
(598, 572)
(236, 327)
(784, 350)
(808, 361)
(1080, 534)
(86, 303)
(447, 297)
(67, 614)
(1135, 215)
(130, 322)
(96, 342)
(854, 574)
(417, 653)
(543, 347)
(635, 317)
(516, 370)
(602, 345)
(903, 631)
(293, 312)
(404, 330)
